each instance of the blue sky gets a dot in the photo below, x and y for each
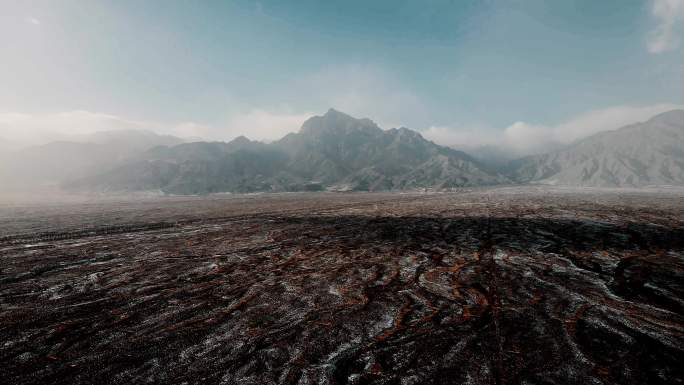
(217, 69)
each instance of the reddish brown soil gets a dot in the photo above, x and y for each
(504, 286)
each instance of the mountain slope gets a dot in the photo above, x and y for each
(58, 162)
(356, 154)
(332, 151)
(648, 153)
(193, 168)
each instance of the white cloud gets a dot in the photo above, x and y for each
(256, 124)
(367, 91)
(32, 20)
(521, 138)
(607, 119)
(668, 13)
(461, 136)
(362, 91)
(23, 129)
(259, 124)
(518, 139)
(30, 129)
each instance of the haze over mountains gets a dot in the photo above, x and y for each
(81, 156)
(641, 154)
(338, 152)
(333, 151)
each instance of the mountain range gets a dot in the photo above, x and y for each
(340, 153)
(641, 154)
(333, 151)
(81, 156)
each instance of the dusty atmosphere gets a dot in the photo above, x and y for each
(383, 192)
(484, 286)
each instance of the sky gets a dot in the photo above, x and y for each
(516, 73)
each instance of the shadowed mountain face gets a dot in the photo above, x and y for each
(333, 151)
(649, 153)
(340, 153)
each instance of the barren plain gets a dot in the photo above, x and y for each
(509, 285)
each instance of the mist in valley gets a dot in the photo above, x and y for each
(360, 192)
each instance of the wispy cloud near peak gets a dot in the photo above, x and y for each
(24, 129)
(524, 138)
(669, 14)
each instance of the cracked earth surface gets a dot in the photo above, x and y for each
(491, 286)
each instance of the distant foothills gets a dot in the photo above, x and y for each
(337, 152)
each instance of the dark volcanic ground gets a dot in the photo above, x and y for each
(502, 286)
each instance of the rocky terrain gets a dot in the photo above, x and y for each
(487, 286)
(642, 154)
(338, 152)
(334, 151)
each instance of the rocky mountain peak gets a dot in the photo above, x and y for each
(406, 133)
(673, 117)
(336, 122)
(240, 140)
(333, 151)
